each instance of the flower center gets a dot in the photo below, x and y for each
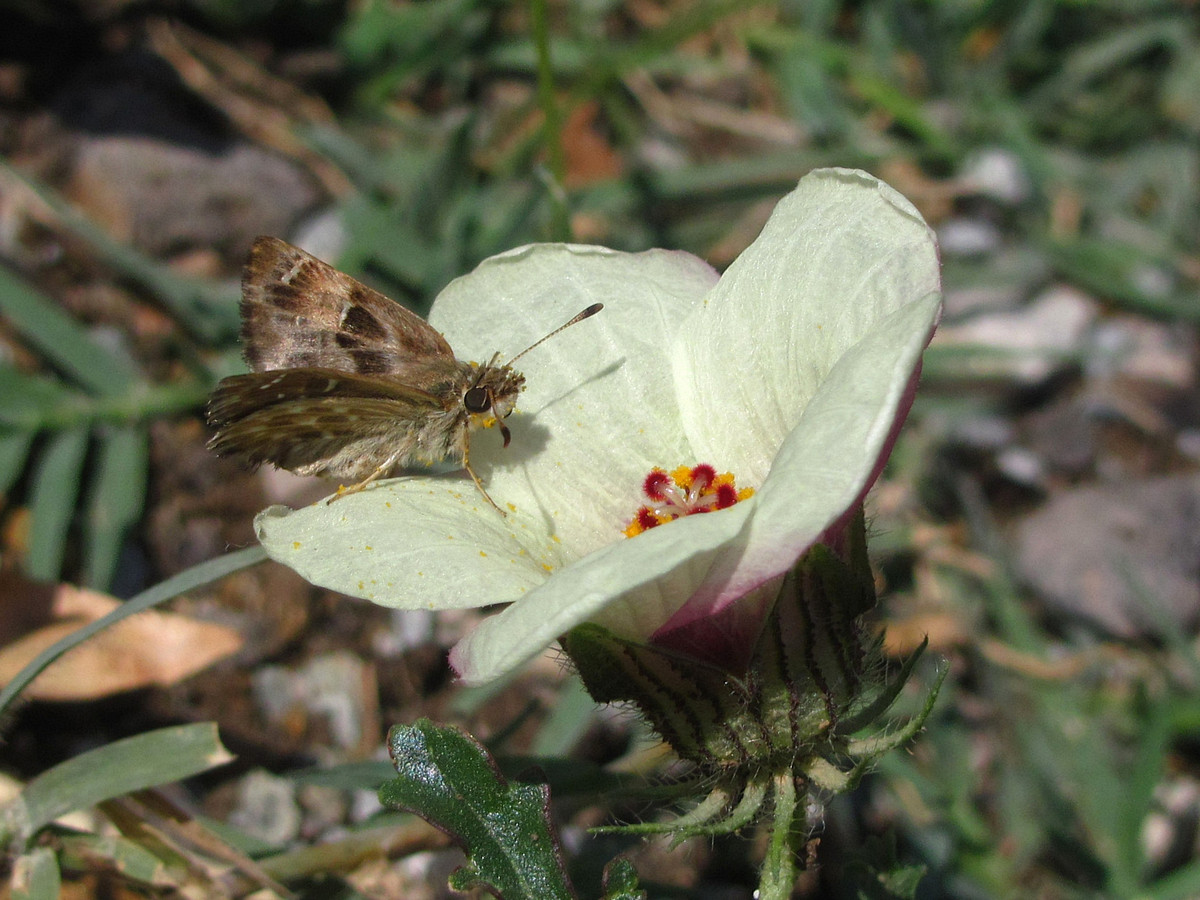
(687, 490)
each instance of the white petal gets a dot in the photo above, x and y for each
(830, 458)
(419, 543)
(839, 254)
(631, 586)
(599, 412)
(599, 407)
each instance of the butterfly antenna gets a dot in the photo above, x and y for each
(585, 314)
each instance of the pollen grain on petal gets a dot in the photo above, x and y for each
(685, 491)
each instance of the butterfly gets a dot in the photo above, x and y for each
(346, 382)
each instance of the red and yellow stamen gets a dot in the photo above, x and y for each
(684, 492)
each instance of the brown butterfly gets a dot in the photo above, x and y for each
(348, 383)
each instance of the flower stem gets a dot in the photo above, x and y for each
(788, 834)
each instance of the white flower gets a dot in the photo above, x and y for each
(792, 371)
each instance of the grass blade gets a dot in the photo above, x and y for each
(56, 481)
(189, 579)
(62, 340)
(14, 450)
(117, 492)
(131, 764)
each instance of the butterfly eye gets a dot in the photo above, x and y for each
(476, 400)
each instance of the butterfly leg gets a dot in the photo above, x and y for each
(475, 478)
(344, 491)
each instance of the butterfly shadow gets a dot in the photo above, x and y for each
(532, 434)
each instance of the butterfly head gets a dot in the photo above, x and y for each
(493, 393)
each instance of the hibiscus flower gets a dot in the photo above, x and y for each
(673, 457)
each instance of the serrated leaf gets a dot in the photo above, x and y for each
(452, 782)
(621, 881)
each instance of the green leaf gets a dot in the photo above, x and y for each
(56, 483)
(1120, 271)
(26, 400)
(14, 450)
(123, 855)
(352, 776)
(453, 783)
(1182, 884)
(621, 881)
(205, 309)
(876, 872)
(32, 403)
(1142, 783)
(62, 340)
(572, 712)
(132, 764)
(118, 490)
(402, 41)
(35, 875)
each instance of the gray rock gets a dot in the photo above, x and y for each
(267, 808)
(1124, 556)
(165, 198)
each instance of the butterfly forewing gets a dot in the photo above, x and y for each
(298, 312)
(325, 422)
(346, 439)
(346, 382)
(241, 395)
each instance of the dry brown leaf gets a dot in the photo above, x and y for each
(149, 648)
(591, 157)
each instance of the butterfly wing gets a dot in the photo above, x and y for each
(298, 311)
(328, 422)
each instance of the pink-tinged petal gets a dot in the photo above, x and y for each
(838, 255)
(630, 587)
(725, 638)
(828, 461)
